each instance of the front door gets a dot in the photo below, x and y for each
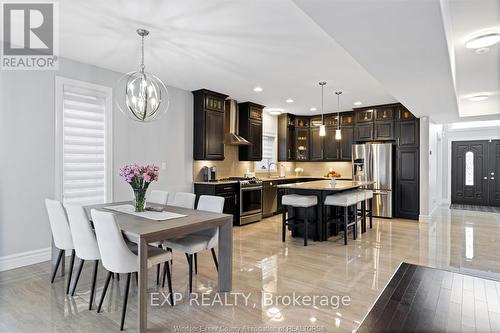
(473, 169)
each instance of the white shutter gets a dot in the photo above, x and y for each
(268, 147)
(83, 144)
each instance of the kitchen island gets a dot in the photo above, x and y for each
(321, 189)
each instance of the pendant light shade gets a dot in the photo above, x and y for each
(338, 132)
(141, 95)
(322, 129)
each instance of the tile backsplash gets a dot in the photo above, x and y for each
(231, 166)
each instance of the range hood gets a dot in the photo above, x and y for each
(231, 136)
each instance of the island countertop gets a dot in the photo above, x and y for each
(325, 185)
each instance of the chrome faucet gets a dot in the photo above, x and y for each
(269, 163)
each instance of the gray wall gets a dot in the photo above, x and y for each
(27, 149)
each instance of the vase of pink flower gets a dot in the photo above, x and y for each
(139, 177)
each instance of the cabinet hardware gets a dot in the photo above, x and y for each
(492, 178)
(485, 177)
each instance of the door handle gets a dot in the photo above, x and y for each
(492, 178)
(485, 177)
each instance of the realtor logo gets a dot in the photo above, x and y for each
(30, 38)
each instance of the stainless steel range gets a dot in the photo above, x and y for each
(250, 199)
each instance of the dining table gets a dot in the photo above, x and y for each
(321, 189)
(142, 230)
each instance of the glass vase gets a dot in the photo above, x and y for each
(139, 199)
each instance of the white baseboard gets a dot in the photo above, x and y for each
(24, 259)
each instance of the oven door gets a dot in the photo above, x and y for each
(250, 200)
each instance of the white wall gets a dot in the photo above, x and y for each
(435, 166)
(424, 168)
(27, 151)
(450, 135)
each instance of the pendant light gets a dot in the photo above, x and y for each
(141, 95)
(322, 129)
(338, 133)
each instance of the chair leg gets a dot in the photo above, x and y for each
(283, 224)
(306, 222)
(136, 279)
(355, 216)
(92, 288)
(363, 216)
(370, 203)
(164, 274)
(125, 299)
(214, 256)
(58, 262)
(190, 260)
(169, 279)
(158, 274)
(77, 277)
(196, 263)
(346, 219)
(106, 284)
(71, 263)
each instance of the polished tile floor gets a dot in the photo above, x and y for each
(461, 241)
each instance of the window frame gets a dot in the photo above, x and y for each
(60, 82)
(275, 154)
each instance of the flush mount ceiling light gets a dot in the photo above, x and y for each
(274, 111)
(483, 40)
(358, 103)
(257, 89)
(140, 95)
(289, 100)
(478, 98)
(322, 129)
(313, 109)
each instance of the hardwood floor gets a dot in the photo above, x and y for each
(460, 241)
(423, 299)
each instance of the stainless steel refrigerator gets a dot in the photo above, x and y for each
(373, 162)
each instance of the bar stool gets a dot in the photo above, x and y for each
(365, 196)
(296, 201)
(347, 200)
(369, 211)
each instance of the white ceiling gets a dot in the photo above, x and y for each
(226, 46)
(476, 74)
(376, 51)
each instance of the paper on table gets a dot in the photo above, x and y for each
(157, 216)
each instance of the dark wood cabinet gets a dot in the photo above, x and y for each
(302, 144)
(384, 114)
(286, 137)
(250, 127)
(228, 191)
(407, 183)
(316, 143)
(347, 119)
(208, 117)
(364, 116)
(364, 132)
(346, 143)
(408, 133)
(383, 130)
(331, 146)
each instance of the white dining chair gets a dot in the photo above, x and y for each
(119, 257)
(61, 234)
(158, 197)
(85, 243)
(199, 241)
(184, 200)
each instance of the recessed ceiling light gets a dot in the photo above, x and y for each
(478, 98)
(289, 100)
(484, 40)
(257, 89)
(482, 50)
(312, 109)
(358, 103)
(274, 111)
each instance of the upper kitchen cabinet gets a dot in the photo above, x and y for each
(208, 125)
(364, 132)
(407, 128)
(347, 119)
(302, 143)
(384, 124)
(286, 137)
(345, 153)
(316, 143)
(250, 127)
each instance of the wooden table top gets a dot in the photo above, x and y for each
(326, 185)
(152, 230)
